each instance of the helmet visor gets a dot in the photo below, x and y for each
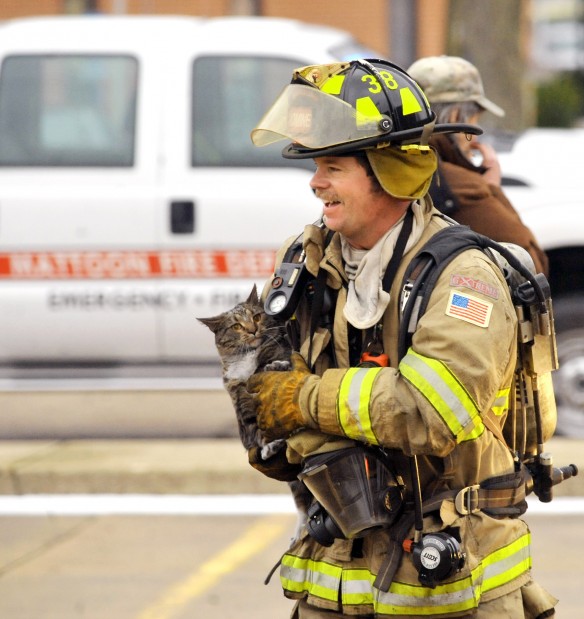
(315, 119)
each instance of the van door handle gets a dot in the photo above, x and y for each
(182, 217)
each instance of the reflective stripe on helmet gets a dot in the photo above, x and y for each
(353, 404)
(333, 85)
(434, 380)
(354, 587)
(366, 110)
(410, 105)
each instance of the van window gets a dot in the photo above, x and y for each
(230, 96)
(67, 110)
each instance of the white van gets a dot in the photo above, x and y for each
(131, 197)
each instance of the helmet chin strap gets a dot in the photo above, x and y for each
(427, 132)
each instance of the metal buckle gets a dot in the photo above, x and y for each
(467, 500)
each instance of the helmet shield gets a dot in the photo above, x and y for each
(314, 119)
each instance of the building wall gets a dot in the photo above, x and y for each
(368, 21)
(204, 8)
(10, 9)
(432, 23)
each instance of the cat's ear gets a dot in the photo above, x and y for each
(253, 297)
(213, 323)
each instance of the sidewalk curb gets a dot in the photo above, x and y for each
(194, 466)
(199, 466)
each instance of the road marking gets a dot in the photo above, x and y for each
(252, 542)
(145, 504)
(198, 505)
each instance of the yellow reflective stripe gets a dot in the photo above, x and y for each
(366, 110)
(447, 395)
(333, 85)
(404, 599)
(356, 585)
(410, 105)
(309, 576)
(507, 563)
(501, 403)
(353, 404)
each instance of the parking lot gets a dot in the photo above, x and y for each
(208, 566)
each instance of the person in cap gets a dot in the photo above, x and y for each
(470, 193)
(389, 534)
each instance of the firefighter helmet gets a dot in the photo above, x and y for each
(340, 108)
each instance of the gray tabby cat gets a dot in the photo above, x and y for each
(249, 341)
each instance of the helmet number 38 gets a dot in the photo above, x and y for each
(375, 86)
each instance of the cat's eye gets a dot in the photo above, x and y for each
(257, 318)
(237, 327)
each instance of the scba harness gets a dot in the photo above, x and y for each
(532, 417)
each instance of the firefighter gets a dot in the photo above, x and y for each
(420, 517)
(468, 192)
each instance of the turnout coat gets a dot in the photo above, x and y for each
(430, 403)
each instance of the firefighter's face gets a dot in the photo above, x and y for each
(351, 204)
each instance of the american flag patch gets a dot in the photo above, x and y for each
(469, 308)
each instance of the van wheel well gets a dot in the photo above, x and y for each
(566, 273)
(567, 286)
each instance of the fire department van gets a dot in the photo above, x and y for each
(131, 197)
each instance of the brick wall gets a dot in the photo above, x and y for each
(368, 21)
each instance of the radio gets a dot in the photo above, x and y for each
(287, 285)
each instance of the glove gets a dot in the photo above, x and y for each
(276, 467)
(276, 395)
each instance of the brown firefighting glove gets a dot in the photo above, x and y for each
(276, 395)
(276, 466)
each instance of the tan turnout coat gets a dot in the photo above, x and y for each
(407, 417)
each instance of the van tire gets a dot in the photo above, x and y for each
(569, 378)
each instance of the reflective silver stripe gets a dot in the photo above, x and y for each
(501, 403)
(443, 390)
(353, 404)
(323, 579)
(315, 577)
(465, 599)
(304, 575)
(507, 563)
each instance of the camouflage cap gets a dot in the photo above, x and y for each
(450, 79)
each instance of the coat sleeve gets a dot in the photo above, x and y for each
(460, 363)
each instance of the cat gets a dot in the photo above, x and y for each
(248, 341)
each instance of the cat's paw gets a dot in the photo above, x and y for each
(278, 366)
(272, 448)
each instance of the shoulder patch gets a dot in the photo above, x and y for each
(468, 308)
(474, 284)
